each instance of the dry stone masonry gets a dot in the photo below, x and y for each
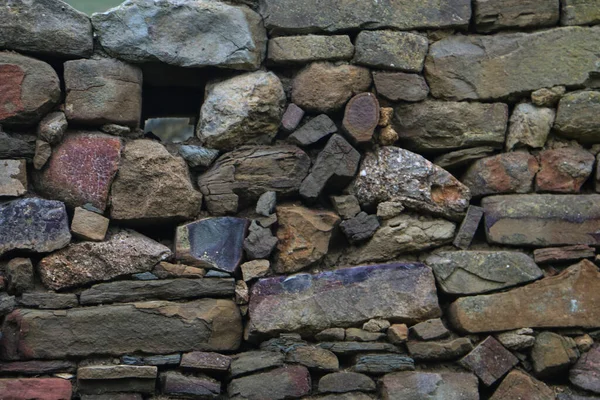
(300, 199)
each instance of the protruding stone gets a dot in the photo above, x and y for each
(278, 384)
(13, 178)
(586, 372)
(463, 157)
(400, 86)
(7, 303)
(468, 227)
(563, 254)
(361, 117)
(13, 146)
(430, 330)
(394, 50)
(342, 382)
(529, 126)
(548, 97)
(379, 364)
(494, 15)
(518, 339)
(576, 12)
(52, 127)
(490, 361)
(167, 270)
(389, 209)
(552, 354)
(313, 131)
(260, 242)
(564, 170)
(519, 385)
(430, 385)
(331, 334)
(212, 242)
(360, 335)
(291, 117)
(198, 156)
(266, 203)
(203, 361)
(176, 384)
(19, 273)
(89, 225)
(37, 367)
(344, 349)
(241, 293)
(43, 152)
(313, 358)
(446, 350)
(36, 388)
(309, 48)
(376, 325)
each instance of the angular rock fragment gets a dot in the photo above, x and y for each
(518, 339)
(586, 372)
(361, 117)
(577, 12)
(158, 360)
(313, 131)
(7, 303)
(439, 350)
(49, 300)
(242, 110)
(376, 325)
(266, 204)
(360, 335)
(313, 358)
(553, 354)
(394, 50)
(13, 146)
(53, 127)
(519, 385)
(463, 157)
(43, 152)
(379, 364)
(547, 97)
(490, 361)
(430, 386)
(341, 382)
(397, 333)
(176, 384)
(167, 270)
(116, 378)
(36, 388)
(203, 361)
(37, 367)
(429, 330)
(252, 361)
(564, 170)
(124, 252)
(346, 206)
(331, 334)
(13, 178)
(212, 242)
(291, 117)
(352, 348)
(529, 126)
(198, 156)
(255, 269)
(563, 254)
(493, 15)
(260, 242)
(278, 384)
(89, 225)
(342, 298)
(19, 273)
(468, 227)
(309, 48)
(400, 86)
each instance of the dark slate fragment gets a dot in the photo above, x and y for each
(314, 130)
(342, 382)
(7, 304)
(157, 360)
(468, 227)
(205, 361)
(586, 372)
(260, 243)
(360, 228)
(361, 117)
(490, 361)
(252, 361)
(346, 348)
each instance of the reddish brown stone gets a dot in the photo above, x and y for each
(490, 361)
(361, 117)
(10, 90)
(291, 117)
(81, 170)
(562, 254)
(564, 170)
(35, 388)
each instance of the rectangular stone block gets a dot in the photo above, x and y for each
(100, 379)
(35, 388)
(542, 220)
(309, 48)
(430, 386)
(343, 298)
(494, 15)
(155, 327)
(13, 178)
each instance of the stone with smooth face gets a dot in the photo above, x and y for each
(43, 152)
(49, 300)
(474, 272)
(379, 364)
(13, 146)
(529, 126)
(104, 91)
(313, 358)
(579, 12)
(313, 131)
(89, 225)
(278, 384)
(206, 325)
(176, 384)
(578, 116)
(252, 361)
(495, 15)
(309, 48)
(519, 385)
(468, 227)
(518, 339)
(564, 170)
(496, 66)
(255, 269)
(430, 386)
(341, 382)
(361, 117)
(199, 34)
(36, 388)
(585, 373)
(490, 361)
(394, 50)
(291, 117)
(561, 301)
(212, 242)
(341, 298)
(13, 178)
(542, 220)
(400, 86)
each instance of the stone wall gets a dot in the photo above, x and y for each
(392, 199)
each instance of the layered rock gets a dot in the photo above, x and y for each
(36, 388)
(13, 178)
(278, 384)
(400, 86)
(492, 15)
(578, 116)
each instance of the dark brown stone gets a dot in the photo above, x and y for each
(188, 386)
(494, 15)
(37, 367)
(439, 350)
(490, 361)
(553, 354)
(100, 379)
(361, 117)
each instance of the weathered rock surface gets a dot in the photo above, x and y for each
(529, 126)
(400, 86)
(473, 272)
(542, 220)
(396, 174)
(547, 97)
(259, 243)
(346, 206)
(7, 303)
(429, 330)
(561, 301)
(207, 324)
(242, 110)
(353, 348)
(100, 379)
(434, 126)
(519, 385)
(167, 270)
(238, 178)
(33, 224)
(13, 146)
(553, 354)
(313, 358)
(379, 364)
(203, 243)
(360, 228)
(81, 170)
(468, 227)
(493, 67)
(402, 51)
(304, 236)
(342, 298)
(281, 383)
(578, 116)
(53, 127)
(331, 16)
(586, 373)
(340, 382)
(361, 335)
(361, 117)
(167, 193)
(43, 151)
(459, 158)
(20, 275)
(49, 300)
(291, 117)
(579, 12)
(89, 225)
(313, 131)
(564, 170)
(494, 15)
(309, 48)
(430, 386)
(518, 339)
(325, 87)
(198, 156)
(252, 361)
(490, 361)
(176, 384)
(199, 34)
(36, 388)
(30, 88)
(203, 361)
(439, 350)
(124, 252)
(13, 178)
(37, 367)
(563, 254)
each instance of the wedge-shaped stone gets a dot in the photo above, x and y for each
(306, 16)
(155, 327)
(492, 67)
(586, 372)
(542, 220)
(566, 300)
(402, 51)
(342, 298)
(190, 34)
(473, 272)
(100, 379)
(430, 386)
(13, 178)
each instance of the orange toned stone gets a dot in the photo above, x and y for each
(564, 170)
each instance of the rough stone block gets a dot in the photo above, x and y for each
(490, 361)
(13, 178)
(89, 225)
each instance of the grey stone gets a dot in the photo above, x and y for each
(259, 243)
(547, 97)
(313, 131)
(360, 227)
(266, 203)
(116, 378)
(309, 48)
(281, 383)
(203, 361)
(400, 86)
(376, 325)
(53, 127)
(360, 335)
(7, 303)
(313, 358)
(340, 382)
(13, 178)
(402, 51)
(459, 158)
(430, 330)
(585, 372)
(430, 385)
(13, 146)
(49, 300)
(389, 209)
(252, 361)
(553, 354)
(353, 348)
(579, 12)
(578, 116)
(19, 272)
(518, 339)
(291, 117)
(198, 156)
(468, 227)
(494, 15)
(331, 334)
(158, 360)
(43, 152)
(379, 364)
(529, 126)
(446, 350)
(346, 206)
(176, 384)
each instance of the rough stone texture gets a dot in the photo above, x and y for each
(474, 272)
(313, 131)
(400, 86)
(360, 228)
(396, 174)
(519, 385)
(564, 170)
(12, 146)
(49, 300)
(33, 224)
(157, 360)
(563, 254)
(202, 361)
(36, 388)
(397, 333)
(167, 270)
(200, 387)
(207, 324)
(340, 382)
(19, 273)
(259, 243)
(565, 300)
(578, 116)
(331, 334)
(199, 34)
(331, 16)
(429, 330)
(89, 225)
(37, 367)
(553, 354)
(43, 152)
(360, 335)
(440, 350)
(436, 126)
(309, 48)
(579, 12)
(252, 361)
(406, 292)
(13, 178)
(529, 126)
(201, 243)
(266, 203)
(492, 67)
(468, 228)
(430, 386)
(291, 117)
(53, 127)
(490, 361)
(255, 269)
(102, 379)
(304, 236)
(7, 303)
(124, 252)
(313, 358)
(494, 15)
(361, 117)
(518, 339)
(198, 156)
(334, 168)
(238, 178)
(379, 364)
(81, 170)
(325, 87)
(30, 88)
(402, 51)
(281, 383)
(245, 109)
(586, 372)
(463, 157)
(547, 97)
(542, 220)
(346, 206)
(376, 325)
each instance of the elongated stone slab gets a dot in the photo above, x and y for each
(35, 388)
(542, 220)
(156, 327)
(569, 299)
(342, 298)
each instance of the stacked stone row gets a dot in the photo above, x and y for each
(388, 201)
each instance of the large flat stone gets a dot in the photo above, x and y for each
(308, 16)
(562, 301)
(152, 327)
(493, 67)
(430, 386)
(288, 382)
(342, 298)
(402, 51)
(542, 220)
(191, 34)
(519, 385)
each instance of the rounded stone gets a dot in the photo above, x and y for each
(361, 117)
